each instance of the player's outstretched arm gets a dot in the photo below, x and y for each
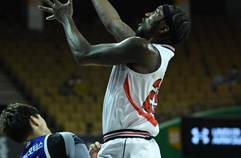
(134, 51)
(112, 21)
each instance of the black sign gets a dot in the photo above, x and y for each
(211, 136)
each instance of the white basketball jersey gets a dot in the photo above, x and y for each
(131, 97)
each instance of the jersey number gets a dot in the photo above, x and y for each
(151, 101)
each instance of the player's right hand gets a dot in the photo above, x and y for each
(94, 149)
(58, 10)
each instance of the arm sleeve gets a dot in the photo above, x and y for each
(56, 146)
(74, 146)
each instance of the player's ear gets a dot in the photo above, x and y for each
(163, 29)
(34, 121)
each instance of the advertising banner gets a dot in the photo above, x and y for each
(211, 136)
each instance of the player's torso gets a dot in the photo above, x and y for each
(131, 98)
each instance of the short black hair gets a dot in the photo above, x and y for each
(15, 121)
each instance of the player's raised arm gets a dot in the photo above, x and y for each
(112, 21)
(102, 54)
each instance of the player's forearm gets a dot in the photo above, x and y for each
(106, 12)
(77, 43)
(112, 21)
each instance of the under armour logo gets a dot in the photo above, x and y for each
(200, 135)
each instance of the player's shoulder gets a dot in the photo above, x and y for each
(62, 135)
(56, 145)
(65, 133)
(72, 136)
(137, 40)
(137, 43)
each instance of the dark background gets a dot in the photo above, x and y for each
(128, 9)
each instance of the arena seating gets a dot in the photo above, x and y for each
(43, 62)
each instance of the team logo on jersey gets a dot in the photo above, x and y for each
(151, 101)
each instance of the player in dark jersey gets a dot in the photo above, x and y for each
(23, 124)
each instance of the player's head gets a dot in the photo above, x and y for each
(19, 121)
(168, 24)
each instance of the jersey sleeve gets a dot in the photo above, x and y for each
(74, 146)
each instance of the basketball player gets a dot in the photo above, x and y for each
(139, 62)
(23, 124)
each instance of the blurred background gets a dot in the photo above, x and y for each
(37, 68)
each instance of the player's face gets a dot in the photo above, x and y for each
(150, 23)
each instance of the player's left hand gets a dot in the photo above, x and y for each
(94, 149)
(60, 11)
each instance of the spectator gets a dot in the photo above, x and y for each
(233, 77)
(67, 87)
(230, 79)
(80, 87)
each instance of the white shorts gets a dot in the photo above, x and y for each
(130, 148)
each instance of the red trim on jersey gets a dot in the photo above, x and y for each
(170, 47)
(148, 116)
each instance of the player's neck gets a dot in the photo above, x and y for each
(36, 133)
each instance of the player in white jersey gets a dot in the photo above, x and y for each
(128, 111)
(138, 70)
(131, 97)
